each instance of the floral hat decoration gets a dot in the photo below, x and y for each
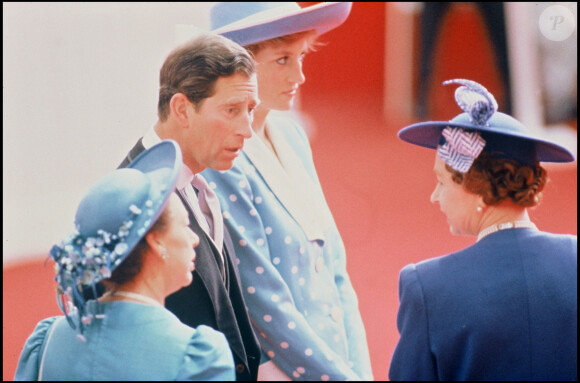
(481, 128)
(252, 22)
(110, 220)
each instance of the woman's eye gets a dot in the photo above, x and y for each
(282, 60)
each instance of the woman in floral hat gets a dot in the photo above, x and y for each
(504, 308)
(133, 235)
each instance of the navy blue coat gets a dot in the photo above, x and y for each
(504, 308)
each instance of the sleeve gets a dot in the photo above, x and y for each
(31, 356)
(354, 326)
(355, 330)
(284, 333)
(412, 359)
(207, 357)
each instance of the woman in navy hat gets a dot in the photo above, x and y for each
(132, 234)
(505, 308)
(292, 260)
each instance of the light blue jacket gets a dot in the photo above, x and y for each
(132, 342)
(292, 260)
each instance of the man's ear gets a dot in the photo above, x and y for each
(179, 106)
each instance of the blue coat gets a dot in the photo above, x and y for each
(292, 260)
(210, 300)
(504, 308)
(132, 342)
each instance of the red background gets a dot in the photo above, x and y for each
(377, 186)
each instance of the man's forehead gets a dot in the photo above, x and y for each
(237, 100)
(236, 89)
(237, 79)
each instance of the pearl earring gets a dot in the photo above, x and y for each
(164, 254)
(479, 209)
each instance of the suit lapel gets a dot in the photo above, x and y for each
(230, 314)
(206, 245)
(134, 152)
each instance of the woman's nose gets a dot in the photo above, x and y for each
(297, 74)
(433, 197)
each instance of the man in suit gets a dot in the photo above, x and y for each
(208, 91)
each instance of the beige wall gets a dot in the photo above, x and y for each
(79, 88)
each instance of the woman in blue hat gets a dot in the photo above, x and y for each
(505, 308)
(292, 260)
(132, 234)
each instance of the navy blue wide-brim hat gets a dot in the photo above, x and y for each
(505, 136)
(252, 22)
(113, 217)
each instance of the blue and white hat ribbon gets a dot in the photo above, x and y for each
(461, 148)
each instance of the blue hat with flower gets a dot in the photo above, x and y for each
(252, 22)
(110, 220)
(481, 129)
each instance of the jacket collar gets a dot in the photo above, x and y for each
(290, 182)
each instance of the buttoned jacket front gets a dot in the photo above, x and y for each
(292, 260)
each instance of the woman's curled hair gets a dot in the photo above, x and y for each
(131, 266)
(498, 179)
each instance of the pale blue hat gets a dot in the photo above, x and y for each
(111, 219)
(252, 22)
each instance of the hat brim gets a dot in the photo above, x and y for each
(115, 214)
(322, 17)
(165, 154)
(427, 134)
(162, 162)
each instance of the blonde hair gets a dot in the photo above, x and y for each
(313, 43)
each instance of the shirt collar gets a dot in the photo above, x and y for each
(185, 177)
